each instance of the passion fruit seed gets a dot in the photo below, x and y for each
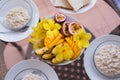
(74, 27)
(59, 17)
(65, 28)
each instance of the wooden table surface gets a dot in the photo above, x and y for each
(100, 20)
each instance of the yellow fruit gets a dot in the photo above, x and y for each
(68, 54)
(60, 41)
(57, 49)
(63, 52)
(47, 41)
(54, 61)
(74, 47)
(69, 41)
(54, 40)
(37, 43)
(59, 57)
(41, 50)
(47, 56)
(76, 54)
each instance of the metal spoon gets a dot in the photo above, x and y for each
(37, 72)
(40, 73)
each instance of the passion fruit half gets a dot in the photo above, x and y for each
(59, 17)
(74, 27)
(65, 30)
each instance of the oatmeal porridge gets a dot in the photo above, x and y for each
(107, 59)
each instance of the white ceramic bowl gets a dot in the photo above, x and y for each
(9, 4)
(70, 19)
(103, 44)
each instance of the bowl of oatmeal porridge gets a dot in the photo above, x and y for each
(17, 18)
(15, 15)
(107, 59)
(31, 69)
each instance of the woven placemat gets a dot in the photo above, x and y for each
(73, 71)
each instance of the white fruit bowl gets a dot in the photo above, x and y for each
(65, 62)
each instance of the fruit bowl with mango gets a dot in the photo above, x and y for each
(59, 39)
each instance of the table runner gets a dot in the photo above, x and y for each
(73, 71)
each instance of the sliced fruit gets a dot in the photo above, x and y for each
(60, 41)
(56, 39)
(65, 30)
(59, 57)
(51, 41)
(68, 54)
(74, 47)
(77, 54)
(54, 61)
(41, 50)
(74, 27)
(59, 17)
(58, 49)
(47, 56)
(70, 41)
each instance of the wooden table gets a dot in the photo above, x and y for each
(99, 20)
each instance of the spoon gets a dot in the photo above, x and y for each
(37, 72)
(40, 73)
